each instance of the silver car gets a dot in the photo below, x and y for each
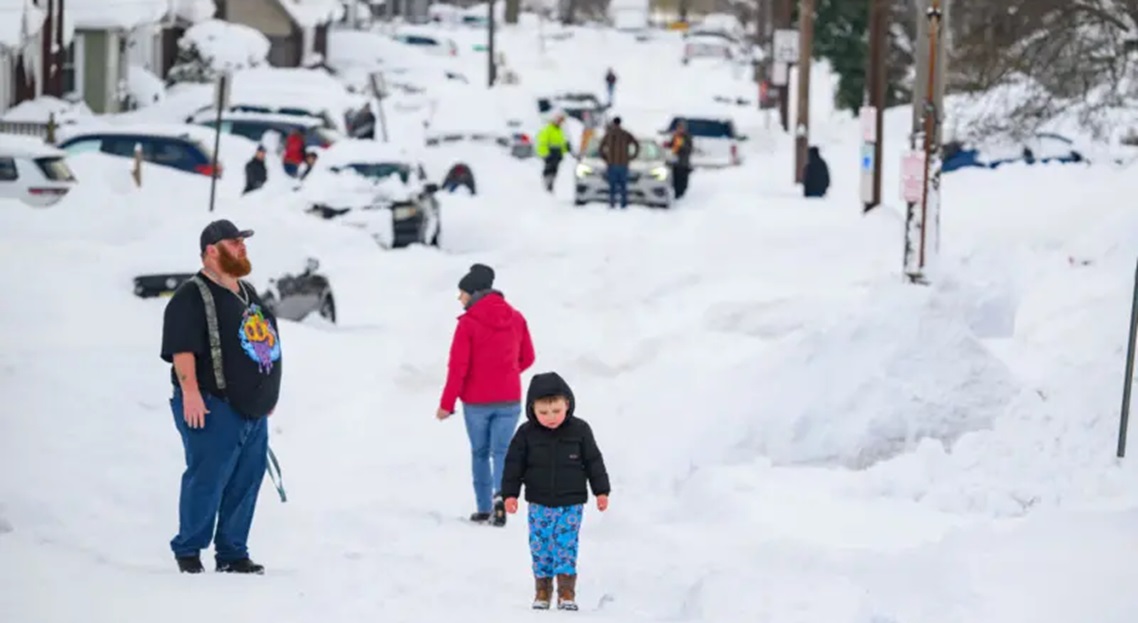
(649, 176)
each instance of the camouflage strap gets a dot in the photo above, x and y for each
(214, 334)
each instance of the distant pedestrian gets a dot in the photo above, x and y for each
(551, 147)
(681, 146)
(255, 173)
(816, 176)
(618, 148)
(610, 84)
(293, 152)
(490, 350)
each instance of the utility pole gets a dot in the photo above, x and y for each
(873, 113)
(802, 122)
(782, 21)
(921, 170)
(492, 67)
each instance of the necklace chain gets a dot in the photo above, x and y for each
(241, 295)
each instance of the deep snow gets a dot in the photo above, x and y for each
(793, 435)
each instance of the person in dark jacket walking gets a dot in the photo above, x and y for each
(618, 148)
(681, 147)
(490, 350)
(255, 172)
(610, 84)
(816, 176)
(554, 454)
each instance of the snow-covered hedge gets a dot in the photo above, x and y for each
(214, 46)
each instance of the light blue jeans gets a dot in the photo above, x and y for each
(490, 428)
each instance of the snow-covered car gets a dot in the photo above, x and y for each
(715, 143)
(709, 45)
(182, 147)
(475, 116)
(649, 176)
(427, 41)
(1043, 147)
(288, 296)
(254, 125)
(378, 188)
(33, 171)
(580, 105)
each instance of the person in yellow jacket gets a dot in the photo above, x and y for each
(551, 145)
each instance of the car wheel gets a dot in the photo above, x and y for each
(578, 202)
(328, 309)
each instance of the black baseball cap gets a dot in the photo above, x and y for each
(223, 229)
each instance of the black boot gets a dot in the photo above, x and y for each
(480, 517)
(190, 564)
(499, 516)
(243, 565)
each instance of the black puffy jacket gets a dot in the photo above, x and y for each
(554, 464)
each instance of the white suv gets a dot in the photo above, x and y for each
(33, 171)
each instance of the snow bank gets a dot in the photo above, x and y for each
(144, 87)
(901, 368)
(40, 110)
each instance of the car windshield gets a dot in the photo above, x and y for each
(649, 150)
(708, 128)
(380, 170)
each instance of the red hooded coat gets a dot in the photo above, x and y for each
(490, 350)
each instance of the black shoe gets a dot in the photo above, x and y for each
(190, 564)
(480, 517)
(243, 565)
(499, 518)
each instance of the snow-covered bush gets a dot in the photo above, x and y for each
(211, 47)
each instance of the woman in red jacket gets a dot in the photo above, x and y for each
(293, 152)
(490, 350)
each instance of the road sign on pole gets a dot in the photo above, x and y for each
(786, 46)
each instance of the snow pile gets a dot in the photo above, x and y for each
(880, 378)
(95, 14)
(22, 20)
(43, 107)
(145, 88)
(214, 46)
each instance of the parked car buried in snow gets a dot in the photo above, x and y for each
(33, 172)
(377, 188)
(291, 297)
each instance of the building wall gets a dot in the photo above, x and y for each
(265, 15)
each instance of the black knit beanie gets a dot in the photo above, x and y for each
(480, 277)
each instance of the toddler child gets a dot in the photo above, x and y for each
(553, 453)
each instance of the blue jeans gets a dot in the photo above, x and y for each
(618, 183)
(490, 429)
(225, 464)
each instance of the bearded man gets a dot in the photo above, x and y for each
(226, 354)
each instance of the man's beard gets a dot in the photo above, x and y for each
(232, 265)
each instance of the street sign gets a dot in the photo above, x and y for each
(780, 74)
(913, 176)
(866, 178)
(786, 46)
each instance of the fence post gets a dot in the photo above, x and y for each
(51, 126)
(1128, 381)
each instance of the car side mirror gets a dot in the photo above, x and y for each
(311, 265)
(431, 188)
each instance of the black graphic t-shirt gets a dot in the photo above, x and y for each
(250, 345)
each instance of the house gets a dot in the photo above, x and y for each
(22, 44)
(297, 29)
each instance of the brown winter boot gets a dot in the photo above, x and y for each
(543, 593)
(566, 592)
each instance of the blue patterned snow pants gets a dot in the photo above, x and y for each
(553, 534)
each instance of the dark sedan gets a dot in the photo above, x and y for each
(291, 297)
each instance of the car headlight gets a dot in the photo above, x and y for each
(660, 173)
(584, 170)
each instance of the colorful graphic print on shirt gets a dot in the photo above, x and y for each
(259, 339)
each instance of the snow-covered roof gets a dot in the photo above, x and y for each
(310, 13)
(97, 15)
(19, 20)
